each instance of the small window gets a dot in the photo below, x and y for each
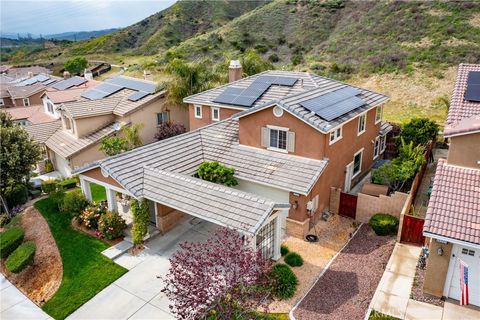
(50, 107)
(215, 114)
(376, 148)
(335, 135)
(357, 163)
(361, 123)
(68, 123)
(26, 102)
(468, 252)
(278, 139)
(162, 117)
(378, 114)
(383, 143)
(277, 111)
(198, 111)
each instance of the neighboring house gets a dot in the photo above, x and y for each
(452, 224)
(25, 91)
(289, 150)
(22, 72)
(100, 112)
(30, 115)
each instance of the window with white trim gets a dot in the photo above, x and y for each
(376, 148)
(357, 163)
(278, 139)
(362, 120)
(378, 114)
(198, 111)
(383, 143)
(26, 102)
(50, 107)
(215, 114)
(163, 117)
(265, 239)
(335, 135)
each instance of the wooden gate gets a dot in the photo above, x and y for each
(348, 205)
(412, 230)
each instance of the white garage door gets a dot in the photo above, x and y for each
(472, 258)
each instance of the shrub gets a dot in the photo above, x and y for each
(74, 203)
(216, 173)
(420, 131)
(16, 195)
(284, 281)
(111, 225)
(48, 166)
(384, 224)
(284, 250)
(49, 186)
(168, 130)
(69, 183)
(293, 259)
(10, 240)
(4, 219)
(141, 219)
(273, 58)
(21, 257)
(91, 215)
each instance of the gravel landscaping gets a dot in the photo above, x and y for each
(346, 288)
(417, 290)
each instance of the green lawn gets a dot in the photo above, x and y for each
(85, 270)
(375, 315)
(98, 192)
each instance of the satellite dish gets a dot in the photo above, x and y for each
(116, 126)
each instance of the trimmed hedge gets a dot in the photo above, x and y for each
(293, 259)
(10, 240)
(285, 282)
(49, 186)
(284, 250)
(384, 224)
(69, 183)
(21, 257)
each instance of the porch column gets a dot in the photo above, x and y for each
(111, 200)
(85, 186)
(278, 235)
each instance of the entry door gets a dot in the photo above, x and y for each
(472, 258)
(348, 177)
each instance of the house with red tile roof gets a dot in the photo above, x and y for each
(452, 224)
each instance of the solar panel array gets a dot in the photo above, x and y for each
(68, 83)
(43, 79)
(247, 97)
(334, 104)
(110, 86)
(473, 86)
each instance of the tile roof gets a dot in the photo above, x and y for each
(34, 114)
(454, 207)
(42, 131)
(24, 71)
(217, 142)
(459, 107)
(385, 128)
(289, 98)
(464, 126)
(66, 145)
(216, 203)
(25, 91)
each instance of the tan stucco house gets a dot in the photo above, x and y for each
(452, 224)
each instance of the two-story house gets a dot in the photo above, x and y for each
(298, 135)
(452, 223)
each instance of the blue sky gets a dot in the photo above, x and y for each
(57, 16)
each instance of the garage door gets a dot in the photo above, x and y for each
(472, 258)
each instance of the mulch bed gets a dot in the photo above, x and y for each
(417, 290)
(347, 287)
(41, 280)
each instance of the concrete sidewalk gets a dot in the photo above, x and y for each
(392, 296)
(14, 305)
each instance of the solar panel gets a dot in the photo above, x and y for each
(49, 81)
(473, 77)
(27, 82)
(473, 92)
(339, 109)
(70, 82)
(133, 84)
(285, 81)
(245, 101)
(42, 77)
(93, 94)
(137, 95)
(108, 88)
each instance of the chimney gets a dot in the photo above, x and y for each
(66, 74)
(87, 74)
(234, 71)
(29, 74)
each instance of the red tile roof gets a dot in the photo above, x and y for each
(465, 126)
(34, 114)
(454, 207)
(459, 107)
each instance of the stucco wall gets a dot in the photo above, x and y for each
(8, 103)
(281, 196)
(85, 126)
(465, 151)
(206, 119)
(368, 205)
(35, 99)
(87, 155)
(437, 268)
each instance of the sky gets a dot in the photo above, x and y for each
(57, 16)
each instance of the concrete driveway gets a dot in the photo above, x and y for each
(136, 295)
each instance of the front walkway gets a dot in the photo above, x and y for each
(392, 296)
(136, 295)
(14, 305)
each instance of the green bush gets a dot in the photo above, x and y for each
(285, 282)
(4, 219)
(91, 216)
(284, 250)
(49, 186)
(216, 173)
(384, 224)
(74, 203)
(420, 131)
(293, 259)
(111, 225)
(48, 166)
(21, 257)
(69, 183)
(34, 193)
(57, 197)
(16, 195)
(10, 240)
(141, 219)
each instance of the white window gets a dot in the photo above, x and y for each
(162, 117)
(335, 135)
(50, 107)
(198, 111)
(361, 123)
(2, 103)
(26, 102)
(376, 148)
(378, 114)
(383, 143)
(278, 139)
(215, 114)
(357, 163)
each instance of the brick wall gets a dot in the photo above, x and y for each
(298, 229)
(368, 205)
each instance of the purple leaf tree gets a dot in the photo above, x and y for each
(168, 130)
(222, 278)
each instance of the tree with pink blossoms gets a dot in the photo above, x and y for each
(221, 278)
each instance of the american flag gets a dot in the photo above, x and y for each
(464, 282)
